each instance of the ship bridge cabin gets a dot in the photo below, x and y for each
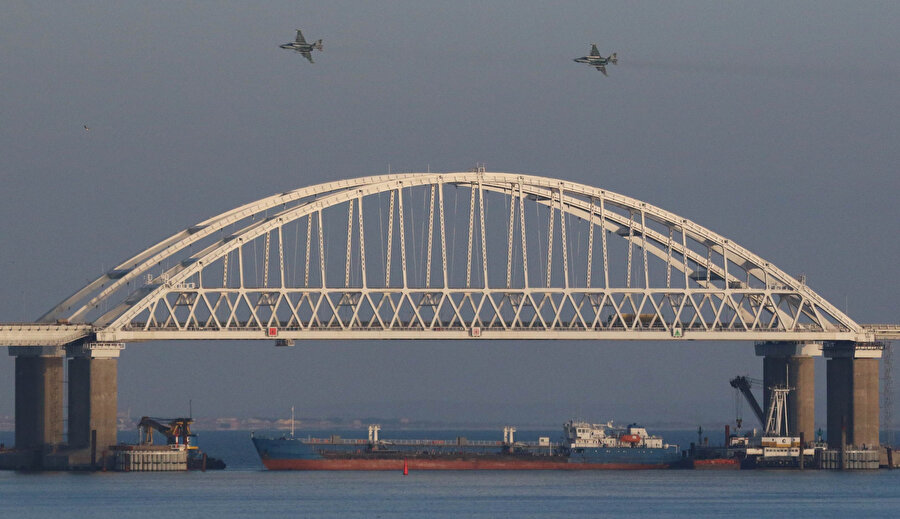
(583, 434)
(641, 438)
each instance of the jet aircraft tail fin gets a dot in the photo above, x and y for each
(319, 45)
(613, 59)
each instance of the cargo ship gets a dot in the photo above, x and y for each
(584, 446)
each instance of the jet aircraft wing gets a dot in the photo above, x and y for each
(308, 55)
(602, 68)
(594, 51)
(300, 38)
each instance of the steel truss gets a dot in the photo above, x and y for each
(531, 270)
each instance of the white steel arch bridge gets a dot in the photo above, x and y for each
(444, 256)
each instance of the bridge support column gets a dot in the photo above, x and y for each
(792, 364)
(853, 394)
(93, 398)
(39, 396)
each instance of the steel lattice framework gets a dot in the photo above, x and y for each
(445, 256)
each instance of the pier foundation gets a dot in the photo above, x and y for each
(792, 364)
(853, 397)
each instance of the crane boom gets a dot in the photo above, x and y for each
(178, 430)
(742, 384)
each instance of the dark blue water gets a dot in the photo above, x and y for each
(246, 489)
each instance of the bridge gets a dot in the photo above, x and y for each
(471, 255)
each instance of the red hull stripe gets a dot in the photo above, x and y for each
(414, 464)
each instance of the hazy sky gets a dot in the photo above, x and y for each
(775, 124)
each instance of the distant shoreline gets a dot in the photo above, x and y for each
(7, 424)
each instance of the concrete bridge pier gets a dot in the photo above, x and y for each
(792, 364)
(93, 400)
(39, 397)
(853, 397)
(39, 391)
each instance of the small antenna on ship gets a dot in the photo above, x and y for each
(292, 421)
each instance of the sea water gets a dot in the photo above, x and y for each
(246, 489)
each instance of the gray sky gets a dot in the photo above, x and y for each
(774, 124)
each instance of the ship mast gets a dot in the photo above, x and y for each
(778, 410)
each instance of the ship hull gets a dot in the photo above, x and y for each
(295, 454)
(449, 464)
(716, 464)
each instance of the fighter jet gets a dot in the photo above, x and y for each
(598, 61)
(302, 47)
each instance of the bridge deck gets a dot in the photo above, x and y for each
(38, 334)
(884, 332)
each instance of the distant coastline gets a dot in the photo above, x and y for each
(129, 423)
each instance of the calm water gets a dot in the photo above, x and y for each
(246, 489)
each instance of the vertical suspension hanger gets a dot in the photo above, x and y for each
(430, 238)
(483, 235)
(443, 232)
(644, 248)
(390, 243)
(349, 242)
(562, 232)
(590, 251)
(362, 241)
(603, 237)
(510, 233)
(550, 240)
(522, 225)
(402, 237)
(309, 220)
(471, 236)
(321, 247)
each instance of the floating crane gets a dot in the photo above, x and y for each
(742, 384)
(777, 447)
(177, 432)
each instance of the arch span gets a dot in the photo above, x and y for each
(451, 255)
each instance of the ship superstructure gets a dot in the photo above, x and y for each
(583, 434)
